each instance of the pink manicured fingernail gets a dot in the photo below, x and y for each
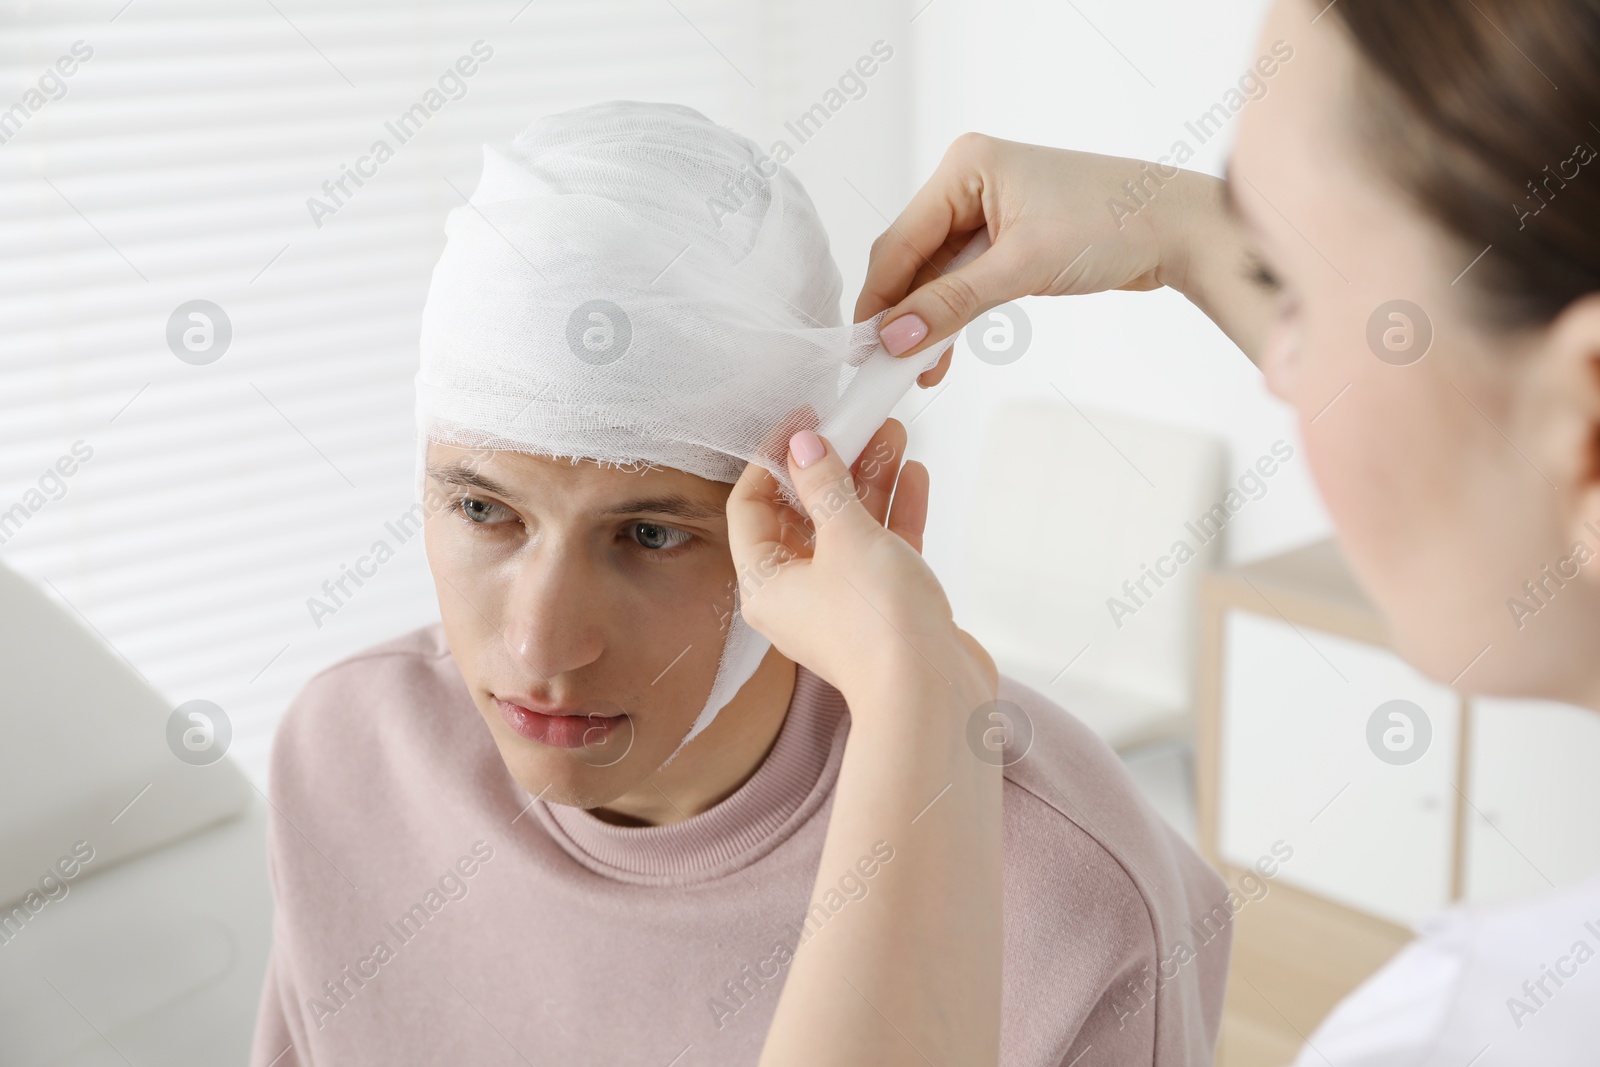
(903, 333)
(806, 448)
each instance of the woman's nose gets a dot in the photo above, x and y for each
(1280, 358)
(551, 624)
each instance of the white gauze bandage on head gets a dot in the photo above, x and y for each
(634, 284)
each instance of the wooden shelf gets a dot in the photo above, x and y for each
(1295, 956)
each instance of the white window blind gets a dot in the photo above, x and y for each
(209, 501)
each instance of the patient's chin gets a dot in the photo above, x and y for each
(577, 778)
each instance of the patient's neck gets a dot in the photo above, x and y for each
(720, 759)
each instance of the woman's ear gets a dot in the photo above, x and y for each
(1574, 351)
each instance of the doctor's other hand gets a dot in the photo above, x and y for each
(843, 589)
(1060, 223)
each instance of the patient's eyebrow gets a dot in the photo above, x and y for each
(668, 504)
(461, 474)
(674, 504)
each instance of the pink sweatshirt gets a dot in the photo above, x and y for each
(429, 911)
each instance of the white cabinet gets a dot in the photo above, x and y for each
(1500, 803)
(1534, 821)
(1296, 766)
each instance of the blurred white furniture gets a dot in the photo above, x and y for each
(1500, 802)
(1531, 768)
(1072, 502)
(153, 951)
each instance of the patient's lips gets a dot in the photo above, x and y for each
(563, 726)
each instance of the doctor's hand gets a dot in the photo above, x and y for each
(1060, 223)
(843, 588)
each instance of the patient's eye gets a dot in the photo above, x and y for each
(480, 512)
(658, 538)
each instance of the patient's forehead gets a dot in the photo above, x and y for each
(524, 478)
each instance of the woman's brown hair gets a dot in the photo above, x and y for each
(1486, 113)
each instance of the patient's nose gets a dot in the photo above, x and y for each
(550, 623)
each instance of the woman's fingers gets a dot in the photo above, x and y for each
(906, 270)
(908, 516)
(860, 586)
(944, 304)
(762, 526)
(877, 467)
(776, 550)
(826, 488)
(950, 202)
(756, 522)
(1043, 210)
(935, 374)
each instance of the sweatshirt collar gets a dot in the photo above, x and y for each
(795, 778)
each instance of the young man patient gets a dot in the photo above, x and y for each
(491, 843)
